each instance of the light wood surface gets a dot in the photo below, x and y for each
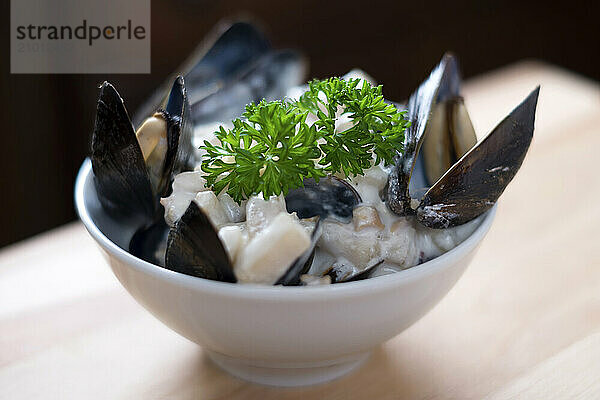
(523, 322)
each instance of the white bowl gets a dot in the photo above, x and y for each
(284, 336)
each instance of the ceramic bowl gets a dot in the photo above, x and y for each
(284, 336)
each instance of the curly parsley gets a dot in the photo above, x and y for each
(272, 148)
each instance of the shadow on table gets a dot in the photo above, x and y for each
(382, 376)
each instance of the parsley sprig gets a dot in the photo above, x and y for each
(377, 127)
(272, 148)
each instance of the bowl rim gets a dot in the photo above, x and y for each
(278, 293)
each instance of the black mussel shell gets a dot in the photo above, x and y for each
(194, 248)
(477, 180)
(443, 83)
(303, 263)
(221, 57)
(338, 276)
(120, 174)
(180, 153)
(149, 242)
(232, 50)
(330, 197)
(268, 78)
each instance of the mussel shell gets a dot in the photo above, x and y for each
(232, 51)
(442, 83)
(462, 132)
(180, 152)
(303, 263)
(330, 197)
(437, 151)
(120, 174)
(268, 78)
(448, 136)
(194, 248)
(337, 276)
(225, 52)
(475, 182)
(148, 242)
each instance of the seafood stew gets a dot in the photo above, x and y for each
(260, 179)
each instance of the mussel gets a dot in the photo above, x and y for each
(194, 248)
(269, 77)
(221, 57)
(330, 197)
(338, 274)
(133, 170)
(236, 66)
(233, 66)
(472, 184)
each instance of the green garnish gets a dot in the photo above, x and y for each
(377, 127)
(272, 148)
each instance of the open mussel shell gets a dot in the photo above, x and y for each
(194, 248)
(442, 84)
(448, 136)
(436, 145)
(462, 132)
(330, 197)
(121, 175)
(303, 263)
(221, 57)
(477, 180)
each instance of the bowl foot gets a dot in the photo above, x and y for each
(288, 375)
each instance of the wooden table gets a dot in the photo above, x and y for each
(523, 322)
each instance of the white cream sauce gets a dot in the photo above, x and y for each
(263, 239)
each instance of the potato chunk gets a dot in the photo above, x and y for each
(260, 212)
(365, 217)
(271, 252)
(185, 187)
(212, 207)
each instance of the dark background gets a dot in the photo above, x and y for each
(47, 119)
